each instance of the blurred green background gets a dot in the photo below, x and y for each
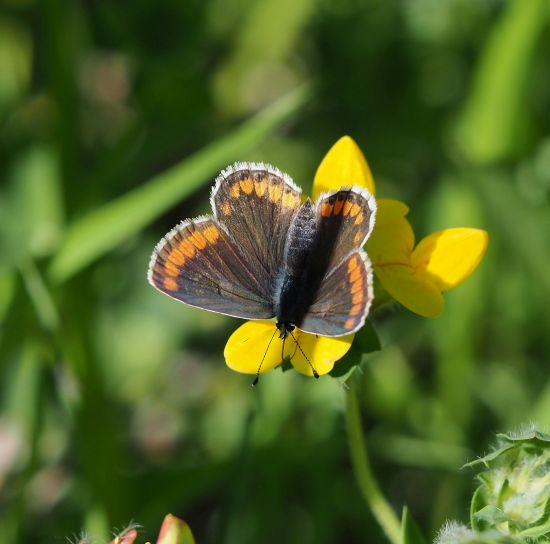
(115, 402)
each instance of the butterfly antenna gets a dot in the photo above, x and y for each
(257, 378)
(305, 356)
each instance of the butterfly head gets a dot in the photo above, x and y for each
(285, 328)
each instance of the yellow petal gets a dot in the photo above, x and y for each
(414, 291)
(322, 351)
(247, 345)
(392, 239)
(344, 164)
(449, 256)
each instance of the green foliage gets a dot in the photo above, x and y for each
(514, 495)
(366, 341)
(411, 533)
(107, 227)
(115, 403)
(497, 110)
(511, 504)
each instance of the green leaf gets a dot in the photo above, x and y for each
(513, 439)
(40, 296)
(107, 227)
(490, 514)
(411, 533)
(268, 34)
(476, 505)
(542, 527)
(528, 244)
(7, 290)
(286, 364)
(366, 341)
(16, 59)
(31, 206)
(529, 434)
(490, 456)
(496, 108)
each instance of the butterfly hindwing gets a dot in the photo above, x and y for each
(343, 299)
(256, 204)
(198, 263)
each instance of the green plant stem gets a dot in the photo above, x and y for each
(376, 501)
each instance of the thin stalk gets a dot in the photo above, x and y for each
(376, 501)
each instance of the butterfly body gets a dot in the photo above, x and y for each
(265, 254)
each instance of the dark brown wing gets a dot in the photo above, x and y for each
(343, 300)
(198, 263)
(256, 204)
(345, 219)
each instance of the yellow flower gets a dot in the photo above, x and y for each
(413, 276)
(247, 345)
(417, 276)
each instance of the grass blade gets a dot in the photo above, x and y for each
(105, 228)
(493, 116)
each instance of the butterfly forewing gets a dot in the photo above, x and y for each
(343, 299)
(345, 219)
(198, 263)
(256, 203)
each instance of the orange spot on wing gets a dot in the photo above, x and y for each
(235, 190)
(186, 247)
(359, 219)
(172, 269)
(226, 208)
(170, 283)
(247, 185)
(352, 264)
(338, 206)
(355, 309)
(350, 323)
(355, 274)
(355, 209)
(357, 297)
(175, 255)
(347, 207)
(198, 240)
(326, 209)
(357, 285)
(260, 187)
(275, 192)
(211, 233)
(358, 237)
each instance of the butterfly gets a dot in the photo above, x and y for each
(265, 253)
